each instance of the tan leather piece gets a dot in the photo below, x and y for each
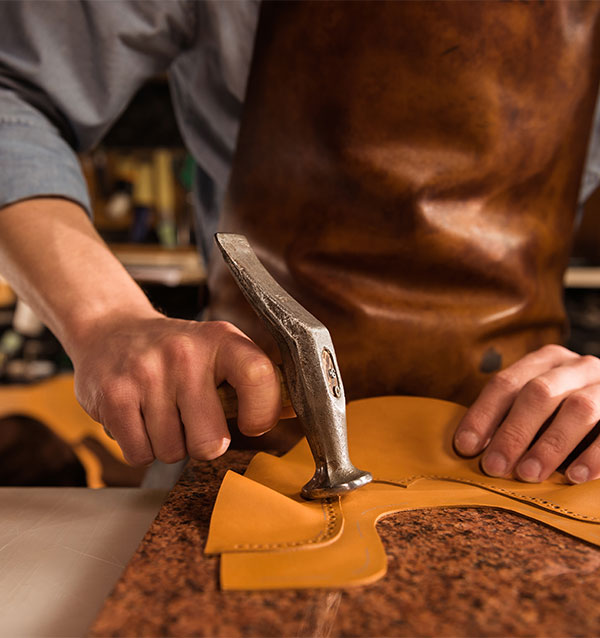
(358, 557)
(416, 434)
(290, 521)
(406, 443)
(409, 172)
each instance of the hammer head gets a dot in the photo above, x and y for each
(310, 368)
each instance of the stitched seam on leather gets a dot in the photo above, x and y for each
(502, 490)
(325, 534)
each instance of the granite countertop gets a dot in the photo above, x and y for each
(451, 572)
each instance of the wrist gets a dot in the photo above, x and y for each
(83, 329)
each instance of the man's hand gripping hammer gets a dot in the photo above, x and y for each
(310, 368)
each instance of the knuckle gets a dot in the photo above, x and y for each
(180, 350)
(506, 382)
(479, 418)
(257, 370)
(138, 458)
(591, 362)
(221, 328)
(515, 439)
(118, 393)
(554, 443)
(582, 405)
(144, 376)
(538, 390)
(553, 349)
(593, 452)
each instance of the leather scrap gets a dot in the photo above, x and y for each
(268, 537)
(52, 402)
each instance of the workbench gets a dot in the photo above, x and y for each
(61, 551)
(451, 572)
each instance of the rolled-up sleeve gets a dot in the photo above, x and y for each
(67, 71)
(35, 160)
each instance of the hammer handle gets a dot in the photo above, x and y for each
(229, 401)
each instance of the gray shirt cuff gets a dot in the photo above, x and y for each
(35, 161)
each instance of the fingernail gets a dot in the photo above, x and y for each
(467, 442)
(495, 464)
(578, 474)
(213, 449)
(530, 470)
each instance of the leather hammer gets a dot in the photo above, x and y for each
(312, 378)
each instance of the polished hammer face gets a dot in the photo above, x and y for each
(310, 368)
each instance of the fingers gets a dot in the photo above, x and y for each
(190, 417)
(153, 386)
(586, 466)
(237, 360)
(495, 401)
(532, 407)
(206, 433)
(255, 379)
(163, 426)
(552, 394)
(121, 416)
(577, 416)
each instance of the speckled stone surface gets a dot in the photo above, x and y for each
(452, 572)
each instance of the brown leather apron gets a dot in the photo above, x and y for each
(409, 172)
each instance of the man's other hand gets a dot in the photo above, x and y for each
(551, 387)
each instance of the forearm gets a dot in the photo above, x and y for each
(56, 261)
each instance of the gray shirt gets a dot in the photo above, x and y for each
(69, 68)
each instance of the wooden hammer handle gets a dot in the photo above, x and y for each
(228, 398)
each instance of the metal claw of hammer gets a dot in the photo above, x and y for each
(310, 368)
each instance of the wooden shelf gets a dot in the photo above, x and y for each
(156, 265)
(582, 277)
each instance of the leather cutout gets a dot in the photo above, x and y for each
(290, 521)
(416, 435)
(270, 538)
